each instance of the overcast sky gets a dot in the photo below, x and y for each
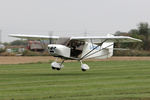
(95, 16)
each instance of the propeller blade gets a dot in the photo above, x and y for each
(50, 39)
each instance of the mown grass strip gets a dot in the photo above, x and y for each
(113, 80)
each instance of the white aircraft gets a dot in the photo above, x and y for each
(79, 48)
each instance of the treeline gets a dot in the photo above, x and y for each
(138, 48)
(17, 43)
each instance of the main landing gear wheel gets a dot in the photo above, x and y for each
(84, 67)
(83, 70)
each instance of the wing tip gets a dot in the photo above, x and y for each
(138, 40)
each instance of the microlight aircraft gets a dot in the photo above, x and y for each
(79, 47)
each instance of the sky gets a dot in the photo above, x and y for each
(96, 17)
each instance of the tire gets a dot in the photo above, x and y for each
(58, 68)
(83, 70)
(53, 68)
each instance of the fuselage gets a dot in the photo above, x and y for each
(86, 50)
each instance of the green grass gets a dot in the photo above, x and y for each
(106, 80)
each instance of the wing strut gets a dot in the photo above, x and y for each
(98, 51)
(93, 49)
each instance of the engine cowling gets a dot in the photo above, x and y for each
(59, 50)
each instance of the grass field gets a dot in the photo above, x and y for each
(106, 80)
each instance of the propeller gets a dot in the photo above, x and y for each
(50, 35)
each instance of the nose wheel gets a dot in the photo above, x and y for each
(57, 66)
(53, 68)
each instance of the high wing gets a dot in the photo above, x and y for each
(43, 37)
(99, 39)
(94, 39)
